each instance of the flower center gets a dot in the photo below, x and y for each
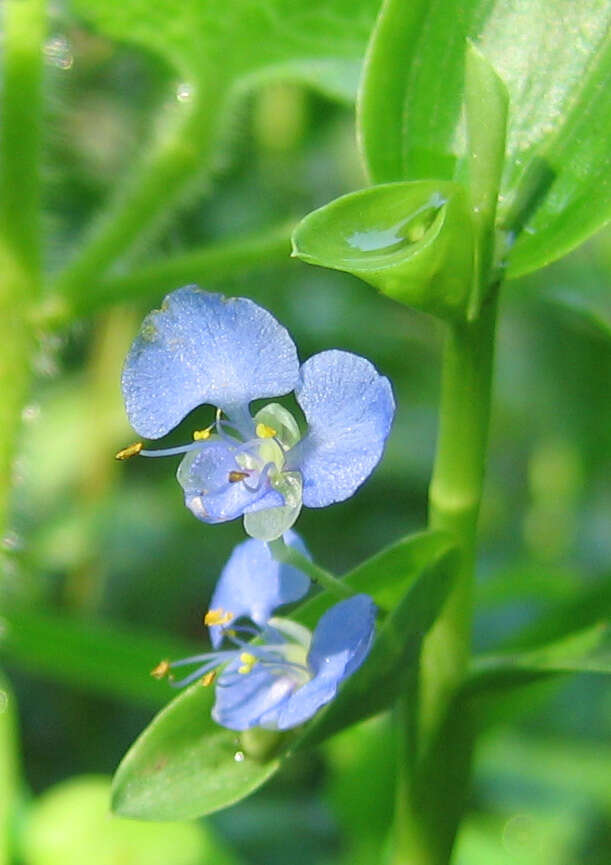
(281, 649)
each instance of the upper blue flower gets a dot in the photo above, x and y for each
(282, 678)
(205, 348)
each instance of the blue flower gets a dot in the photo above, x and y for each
(205, 348)
(278, 673)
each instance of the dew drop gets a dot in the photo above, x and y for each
(239, 756)
(12, 542)
(404, 233)
(58, 53)
(30, 413)
(184, 92)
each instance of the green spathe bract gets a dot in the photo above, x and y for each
(412, 241)
(553, 57)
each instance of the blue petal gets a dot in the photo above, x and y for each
(340, 644)
(210, 495)
(241, 701)
(349, 408)
(204, 348)
(254, 584)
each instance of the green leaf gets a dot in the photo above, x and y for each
(412, 241)
(560, 769)
(89, 654)
(71, 823)
(184, 765)
(486, 117)
(386, 576)
(588, 651)
(555, 60)
(320, 41)
(9, 772)
(578, 612)
(479, 702)
(394, 657)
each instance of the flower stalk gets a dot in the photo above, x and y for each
(290, 556)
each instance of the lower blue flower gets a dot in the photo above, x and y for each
(295, 672)
(278, 673)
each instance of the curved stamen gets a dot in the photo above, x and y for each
(230, 634)
(262, 477)
(170, 452)
(196, 659)
(196, 674)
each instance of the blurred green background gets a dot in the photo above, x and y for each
(102, 544)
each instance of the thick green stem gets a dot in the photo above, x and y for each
(455, 495)
(454, 502)
(283, 553)
(20, 132)
(175, 158)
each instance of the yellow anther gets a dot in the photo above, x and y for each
(200, 435)
(234, 477)
(208, 679)
(264, 431)
(248, 662)
(218, 617)
(129, 451)
(161, 670)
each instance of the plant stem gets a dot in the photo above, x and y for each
(20, 134)
(207, 264)
(24, 29)
(290, 556)
(422, 837)
(455, 496)
(175, 157)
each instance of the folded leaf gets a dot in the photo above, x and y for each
(555, 60)
(412, 241)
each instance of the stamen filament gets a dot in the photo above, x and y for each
(170, 452)
(196, 659)
(194, 676)
(262, 476)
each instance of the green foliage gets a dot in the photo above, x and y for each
(554, 60)
(500, 107)
(72, 822)
(210, 45)
(94, 656)
(587, 651)
(8, 769)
